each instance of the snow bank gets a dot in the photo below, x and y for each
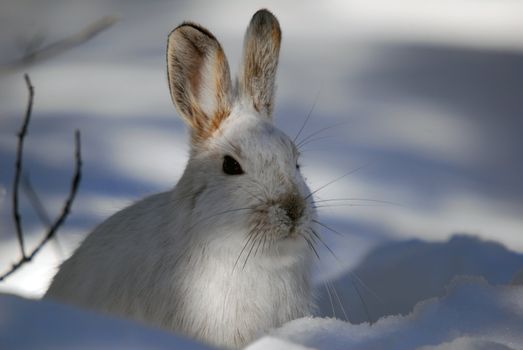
(467, 343)
(473, 315)
(395, 276)
(31, 324)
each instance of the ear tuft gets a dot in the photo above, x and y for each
(199, 78)
(260, 60)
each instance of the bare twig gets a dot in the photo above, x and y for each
(18, 166)
(51, 231)
(39, 208)
(35, 201)
(57, 47)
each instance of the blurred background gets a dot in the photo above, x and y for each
(424, 98)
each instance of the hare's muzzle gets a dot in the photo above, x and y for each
(293, 204)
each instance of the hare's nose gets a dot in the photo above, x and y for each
(293, 206)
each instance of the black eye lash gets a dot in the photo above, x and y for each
(231, 166)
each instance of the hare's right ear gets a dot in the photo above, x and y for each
(261, 48)
(199, 79)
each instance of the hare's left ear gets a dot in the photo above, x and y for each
(199, 79)
(261, 49)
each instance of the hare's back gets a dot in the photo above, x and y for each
(116, 256)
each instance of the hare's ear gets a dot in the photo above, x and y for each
(199, 79)
(261, 49)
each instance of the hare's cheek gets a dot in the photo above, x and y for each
(197, 195)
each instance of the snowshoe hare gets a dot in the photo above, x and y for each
(225, 255)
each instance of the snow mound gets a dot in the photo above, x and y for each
(46, 325)
(467, 343)
(395, 276)
(472, 315)
(439, 311)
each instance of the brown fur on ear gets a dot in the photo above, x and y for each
(199, 79)
(260, 60)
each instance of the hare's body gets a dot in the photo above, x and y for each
(225, 255)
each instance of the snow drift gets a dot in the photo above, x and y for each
(395, 276)
(481, 311)
(472, 315)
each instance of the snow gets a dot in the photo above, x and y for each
(471, 308)
(395, 276)
(460, 294)
(31, 324)
(431, 96)
(269, 342)
(472, 314)
(468, 343)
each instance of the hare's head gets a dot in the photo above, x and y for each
(243, 173)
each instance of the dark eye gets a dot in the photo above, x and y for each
(231, 166)
(297, 166)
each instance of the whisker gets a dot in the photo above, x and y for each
(330, 299)
(348, 205)
(339, 301)
(259, 243)
(215, 215)
(253, 242)
(325, 245)
(317, 149)
(313, 238)
(357, 200)
(260, 186)
(336, 179)
(250, 193)
(311, 246)
(368, 288)
(264, 241)
(365, 308)
(319, 132)
(308, 116)
(313, 140)
(327, 227)
(250, 236)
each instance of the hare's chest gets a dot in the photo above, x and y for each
(233, 306)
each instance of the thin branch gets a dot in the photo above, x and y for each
(67, 205)
(35, 201)
(18, 166)
(39, 208)
(69, 201)
(60, 46)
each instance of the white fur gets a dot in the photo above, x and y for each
(178, 260)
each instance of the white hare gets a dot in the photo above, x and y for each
(225, 255)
